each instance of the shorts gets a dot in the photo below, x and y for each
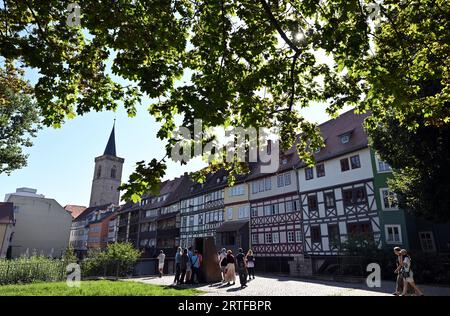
(410, 278)
(161, 266)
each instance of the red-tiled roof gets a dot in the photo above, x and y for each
(75, 210)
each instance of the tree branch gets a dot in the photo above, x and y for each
(41, 30)
(294, 62)
(277, 26)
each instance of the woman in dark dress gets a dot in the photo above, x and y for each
(183, 265)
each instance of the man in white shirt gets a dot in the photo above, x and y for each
(161, 259)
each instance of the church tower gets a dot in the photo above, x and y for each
(107, 175)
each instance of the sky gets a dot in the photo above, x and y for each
(61, 161)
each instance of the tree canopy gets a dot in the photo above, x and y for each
(247, 62)
(19, 119)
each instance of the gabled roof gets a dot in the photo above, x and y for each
(92, 209)
(172, 189)
(75, 210)
(348, 123)
(213, 182)
(6, 213)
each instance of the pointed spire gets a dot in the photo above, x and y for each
(110, 149)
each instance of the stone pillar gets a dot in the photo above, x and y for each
(300, 266)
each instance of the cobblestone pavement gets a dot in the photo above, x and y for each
(286, 286)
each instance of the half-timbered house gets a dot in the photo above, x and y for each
(337, 195)
(275, 217)
(201, 210)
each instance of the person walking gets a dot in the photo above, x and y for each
(189, 266)
(407, 273)
(195, 268)
(250, 259)
(242, 268)
(177, 266)
(223, 262)
(161, 259)
(398, 262)
(230, 274)
(183, 266)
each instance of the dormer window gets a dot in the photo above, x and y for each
(224, 178)
(345, 139)
(218, 180)
(284, 161)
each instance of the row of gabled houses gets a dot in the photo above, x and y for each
(283, 217)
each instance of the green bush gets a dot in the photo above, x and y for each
(32, 269)
(118, 259)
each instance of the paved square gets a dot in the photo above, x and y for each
(286, 286)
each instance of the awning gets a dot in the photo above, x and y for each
(231, 226)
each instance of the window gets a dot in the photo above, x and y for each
(241, 212)
(280, 180)
(200, 219)
(230, 213)
(254, 212)
(268, 238)
(355, 162)
(347, 197)
(389, 199)
(267, 210)
(287, 179)
(274, 208)
(354, 196)
(261, 185)
(275, 238)
(427, 241)
(360, 195)
(113, 172)
(290, 236)
(344, 165)
(255, 187)
(382, 166)
(268, 184)
(312, 202)
(236, 190)
(284, 179)
(315, 234)
(298, 236)
(309, 173)
(291, 206)
(145, 227)
(333, 234)
(320, 169)
(393, 234)
(99, 171)
(329, 199)
(191, 220)
(255, 239)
